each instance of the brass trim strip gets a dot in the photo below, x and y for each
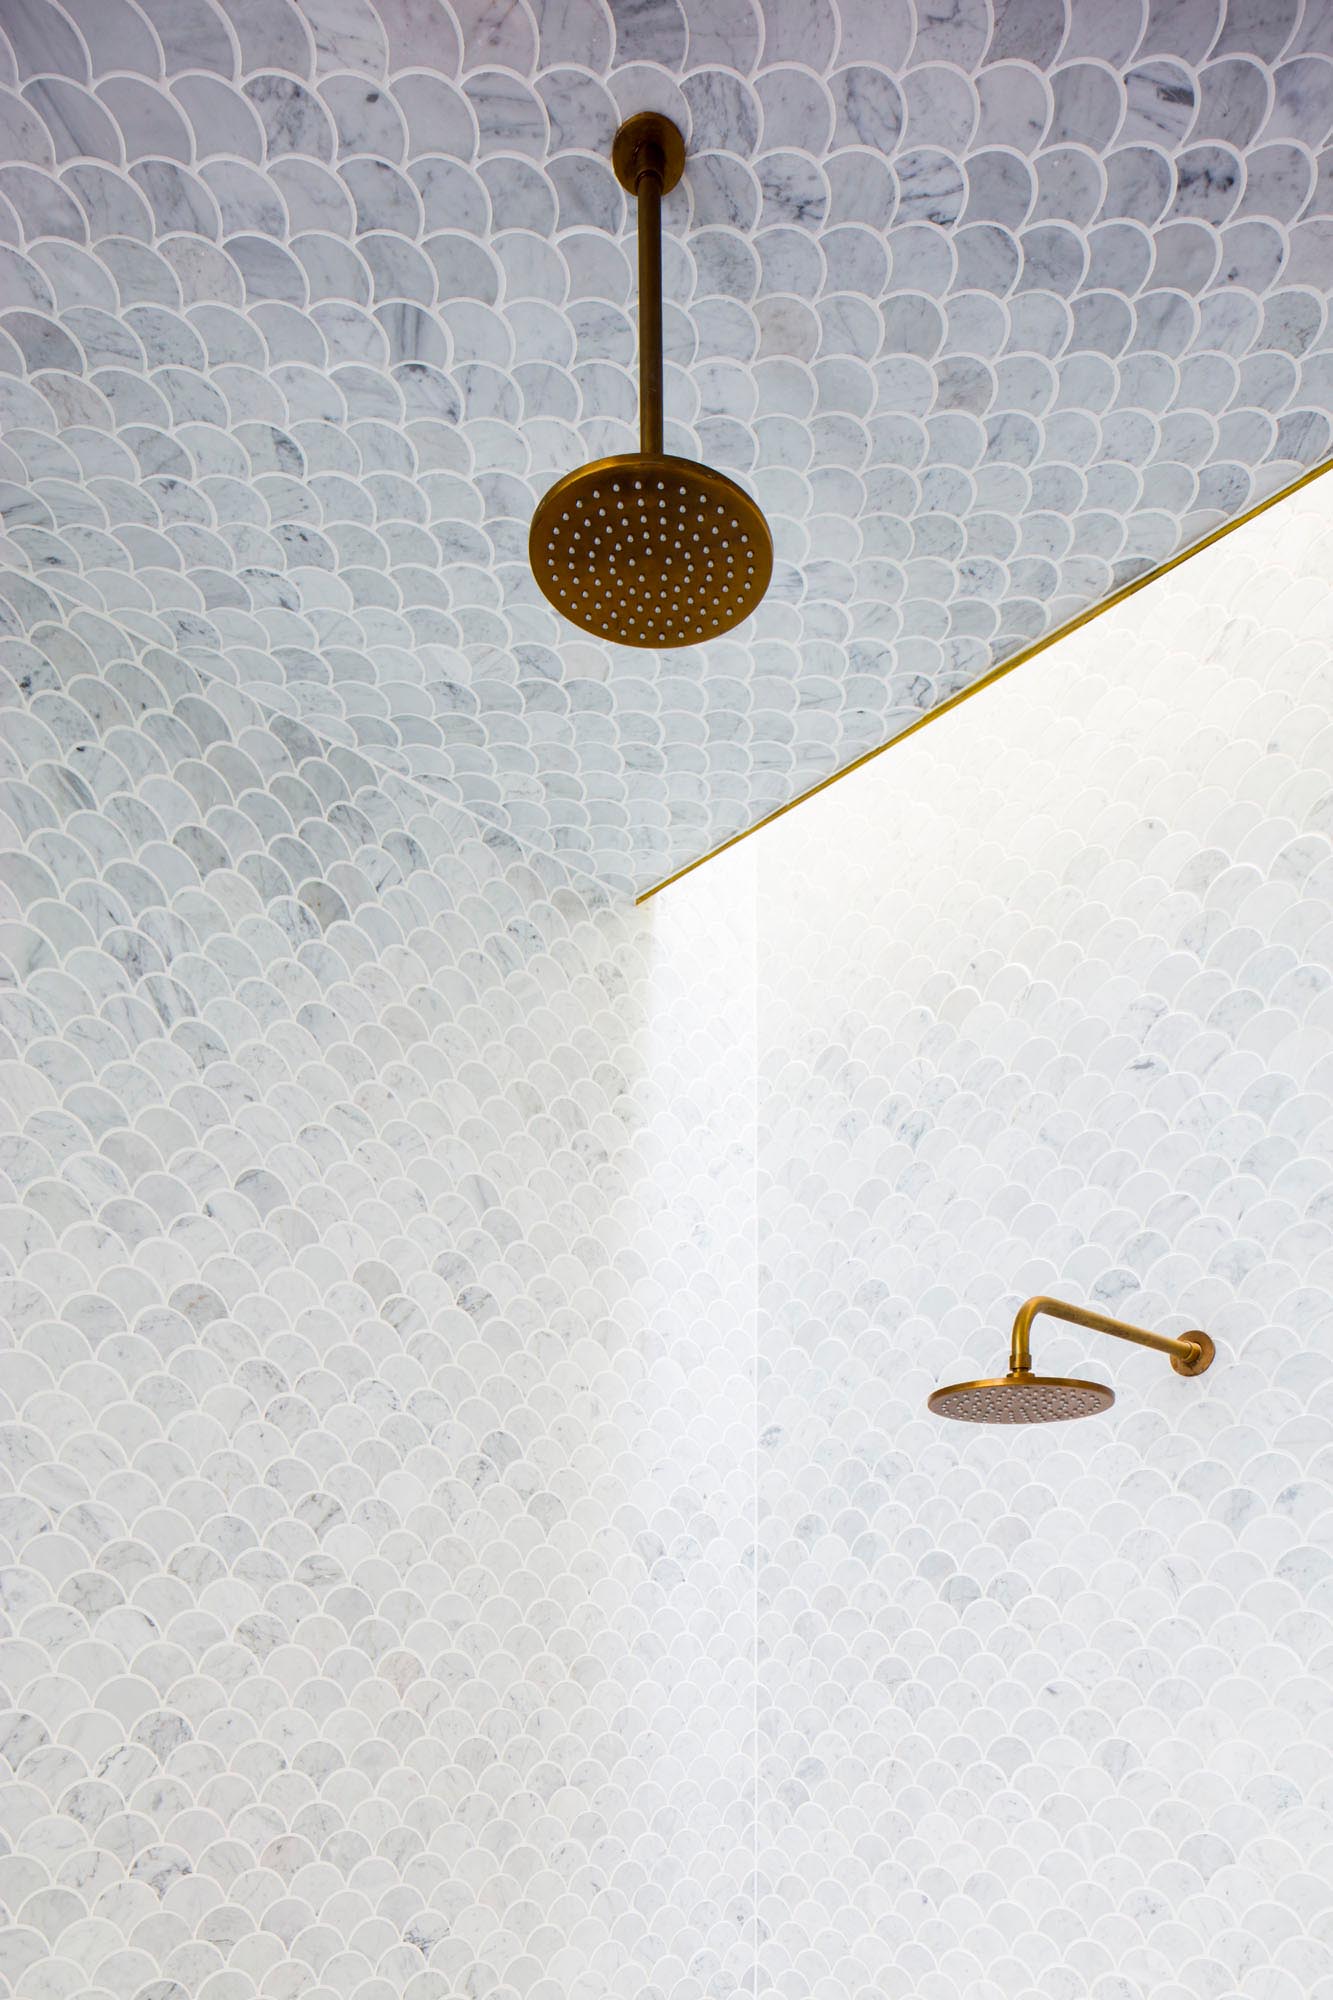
(997, 673)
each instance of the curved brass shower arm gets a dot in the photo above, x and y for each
(1188, 1357)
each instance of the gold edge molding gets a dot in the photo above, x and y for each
(997, 673)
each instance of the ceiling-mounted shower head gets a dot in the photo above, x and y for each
(1020, 1397)
(645, 549)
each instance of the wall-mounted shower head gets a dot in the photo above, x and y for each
(1020, 1397)
(645, 549)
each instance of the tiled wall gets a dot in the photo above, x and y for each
(377, 1296)
(382, 1455)
(1046, 1004)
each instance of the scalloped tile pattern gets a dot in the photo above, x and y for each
(378, 1454)
(992, 303)
(1046, 1005)
(376, 1411)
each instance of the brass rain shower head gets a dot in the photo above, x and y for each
(646, 549)
(1020, 1397)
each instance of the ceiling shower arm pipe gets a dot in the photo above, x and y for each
(1188, 1356)
(648, 184)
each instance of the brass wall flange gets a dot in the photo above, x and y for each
(1195, 1365)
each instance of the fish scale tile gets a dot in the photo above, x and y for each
(375, 1452)
(305, 306)
(467, 1533)
(1045, 1008)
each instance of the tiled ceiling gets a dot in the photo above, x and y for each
(992, 306)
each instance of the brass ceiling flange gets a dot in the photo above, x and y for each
(649, 137)
(1204, 1358)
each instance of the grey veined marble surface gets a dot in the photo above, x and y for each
(993, 307)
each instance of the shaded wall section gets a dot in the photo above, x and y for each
(374, 1473)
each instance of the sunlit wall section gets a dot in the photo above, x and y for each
(1045, 1006)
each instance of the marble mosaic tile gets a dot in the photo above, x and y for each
(376, 1410)
(1046, 1006)
(395, 1480)
(302, 306)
